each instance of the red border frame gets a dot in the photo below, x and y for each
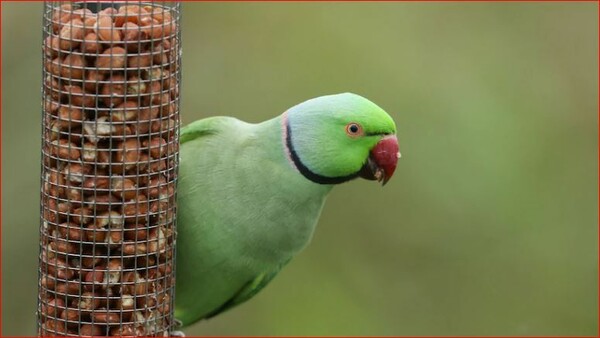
(598, 115)
(1, 165)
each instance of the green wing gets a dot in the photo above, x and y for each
(203, 127)
(248, 291)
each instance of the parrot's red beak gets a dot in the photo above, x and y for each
(382, 160)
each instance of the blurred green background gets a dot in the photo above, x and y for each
(489, 226)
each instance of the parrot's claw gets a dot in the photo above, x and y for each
(177, 324)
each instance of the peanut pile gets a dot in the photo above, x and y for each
(111, 98)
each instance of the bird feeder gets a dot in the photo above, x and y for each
(111, 81)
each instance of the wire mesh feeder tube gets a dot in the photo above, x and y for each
(110, 140)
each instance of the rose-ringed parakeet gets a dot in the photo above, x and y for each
(250, 195)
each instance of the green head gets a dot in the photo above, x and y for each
(335, 138)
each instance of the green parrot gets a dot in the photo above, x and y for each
(250, 195)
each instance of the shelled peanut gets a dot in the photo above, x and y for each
(111, 94)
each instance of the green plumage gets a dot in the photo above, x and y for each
(244, 209)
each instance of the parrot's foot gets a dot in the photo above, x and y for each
(177, 324)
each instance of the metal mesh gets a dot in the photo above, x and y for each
(111, 80)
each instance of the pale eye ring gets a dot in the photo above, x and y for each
(353, 129)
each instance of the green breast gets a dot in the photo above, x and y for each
(242, 210)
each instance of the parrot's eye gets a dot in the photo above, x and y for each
(353, 129)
